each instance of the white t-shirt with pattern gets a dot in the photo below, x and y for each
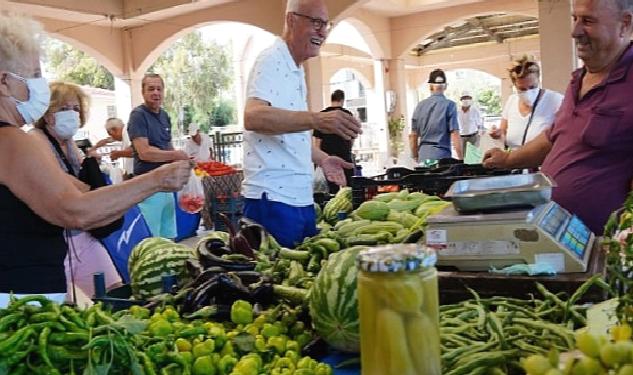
(278, 165)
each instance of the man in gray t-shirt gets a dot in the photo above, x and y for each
(434, 123)
(149, 129)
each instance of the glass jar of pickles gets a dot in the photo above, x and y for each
(399, 311)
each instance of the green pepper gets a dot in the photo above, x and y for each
(292, 355)
(42, 300)
(307, 363)
(297, 328)
(148, 365)
(260, 344)
(42, 343)
(8, 320)
(170, 314)
(59, 353)
(303, 339)
(285, 362)
(241, 312)
(44, 317)
(251, 329)
(192, 331)
(69, 337)
(160, 328)
(323, 369)
(203, 366)
(292, 346)
(278, 343)
(139, 312)
(10, 345)
(226, 364)
(204, 348)
(73, 316)
(281, 327)
(183, 345)
(270, 330)
(181, 361)
(250, 364)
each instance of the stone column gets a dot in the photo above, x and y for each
(123, 98)
(314, 79)
(558, 55)
(376, 111)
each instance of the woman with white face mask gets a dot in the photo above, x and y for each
(37, 198)
(530, 110)
(66, 114)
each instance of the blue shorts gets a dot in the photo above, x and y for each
(159, 211)
(288, 224)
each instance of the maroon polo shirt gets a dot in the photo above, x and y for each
(591, 159)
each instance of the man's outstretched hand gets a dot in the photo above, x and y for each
(333, 169)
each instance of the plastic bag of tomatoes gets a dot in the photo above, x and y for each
(191, 197)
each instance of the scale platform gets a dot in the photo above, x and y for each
(482, 241)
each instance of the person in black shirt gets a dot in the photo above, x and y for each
(333, 144)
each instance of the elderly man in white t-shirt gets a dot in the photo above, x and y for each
(469, 120)
(278, 152)
(198, 145)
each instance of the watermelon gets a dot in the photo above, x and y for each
(333, 301)
(153, 258)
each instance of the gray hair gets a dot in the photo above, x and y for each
(624, 5)
(294, 6)
(113, 123)
(18, 39)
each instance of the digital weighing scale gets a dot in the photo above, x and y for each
(478, 242)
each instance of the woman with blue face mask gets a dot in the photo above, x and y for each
(37, 198)
(530, 110)
(67, 113)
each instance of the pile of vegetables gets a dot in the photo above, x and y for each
(46, 338)
(213, 168)
(481, 336)
(600, 355)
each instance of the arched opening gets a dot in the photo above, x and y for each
(63, 61)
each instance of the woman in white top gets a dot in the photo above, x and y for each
(531, 110)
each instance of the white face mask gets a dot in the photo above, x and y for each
(467, 102)
(529, 96)
(37, 103)
(66, 124)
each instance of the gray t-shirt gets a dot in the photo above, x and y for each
(156, 127)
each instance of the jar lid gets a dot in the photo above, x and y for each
(396, 258)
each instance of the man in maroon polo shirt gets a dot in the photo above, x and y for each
(588, 152)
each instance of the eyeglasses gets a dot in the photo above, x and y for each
(317, 23)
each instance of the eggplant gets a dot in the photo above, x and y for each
(254, 233)
(237, 242)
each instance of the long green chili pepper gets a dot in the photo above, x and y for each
(12, 344)
(42, 300)
(148, 366)
(8, 320)
(42, 346)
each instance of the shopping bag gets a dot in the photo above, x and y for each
(191, 196)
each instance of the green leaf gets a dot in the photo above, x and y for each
(132, 325)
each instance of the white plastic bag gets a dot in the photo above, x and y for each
(319, 183)
(191, 197)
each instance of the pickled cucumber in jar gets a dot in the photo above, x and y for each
(399, 311)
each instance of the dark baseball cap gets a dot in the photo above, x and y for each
(437, 76)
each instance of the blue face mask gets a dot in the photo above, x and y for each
(34, 108)
(66, 124)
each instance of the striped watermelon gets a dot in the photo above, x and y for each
(153, 258)
(333, 301)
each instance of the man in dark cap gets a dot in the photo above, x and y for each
(434, 123)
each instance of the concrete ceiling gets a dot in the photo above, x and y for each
(396, 8)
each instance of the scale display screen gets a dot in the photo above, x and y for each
(574, 236)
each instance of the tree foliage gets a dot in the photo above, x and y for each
(223, 113)
(490, 101)
(196, 73)
(69, 64)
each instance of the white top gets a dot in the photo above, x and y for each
(546, 109)
(470, 121)
(128, 163)
(200, 152)
(278, 165)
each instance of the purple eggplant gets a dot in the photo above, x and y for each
(238, 243)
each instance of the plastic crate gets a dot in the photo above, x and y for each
(432, 181)
(233, 207)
